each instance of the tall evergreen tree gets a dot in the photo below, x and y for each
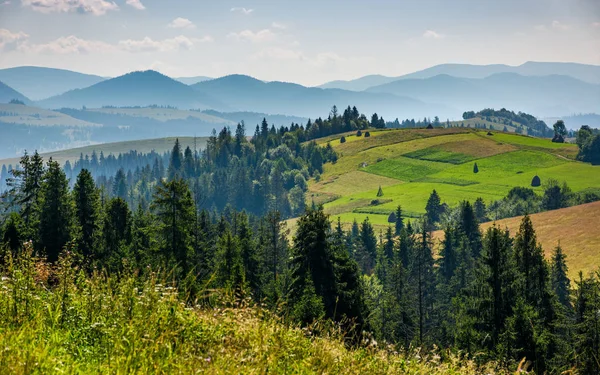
(174, 209)
(176, 162)
(56, 216)
(399, 221)
(87, 206)
(560, 281)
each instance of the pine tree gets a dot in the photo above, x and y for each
(56, 216)
(560, 281)
(175, 164)
(230, 267)
(116, 230)
(119, 188)
(498, 268)
(399, 221)
(423, 275)
(433, 208)
(174, 209)
(380, 192)
(448, 261)
(469, 227)
(87, 206)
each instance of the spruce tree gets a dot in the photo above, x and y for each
(56, 215)
(174, 208)
(119, 188)
(560, 281)
(116, 230)
(175, 164)
(87, 206)
(399, 221)
(230, 265)
(433, 208)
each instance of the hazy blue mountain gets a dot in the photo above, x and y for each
(7, 94)
(359, 84)
(192, 80)
(582, 72)
(135, 89)
(543, 96)
(40, 83)
(245, 93)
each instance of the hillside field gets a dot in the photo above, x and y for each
(409, 164)
(159, 145)
(576, 229)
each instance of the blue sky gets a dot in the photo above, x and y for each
(308, 41)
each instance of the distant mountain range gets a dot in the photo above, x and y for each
(542, 89)
(582, 72)
(7, 94)
(134, 89)
(192, 80)
(39, 83)
(553, 95)
(245, 93)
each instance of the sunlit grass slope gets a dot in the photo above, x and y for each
(130, 325)
(409, 163)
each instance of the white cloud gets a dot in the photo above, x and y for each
(67, 45)
(277, 25)
(540, 28)
(432, 35)
(74, 45)
(7, 2)
(181, 23)
(7, 37)
(559, 26)
(254, 37)
(242, 10)
(173, 44)
(95, 7)
(596, 24)
(137, 4)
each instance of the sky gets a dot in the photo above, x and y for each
(308, 42)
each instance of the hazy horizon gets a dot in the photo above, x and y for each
(309, 43)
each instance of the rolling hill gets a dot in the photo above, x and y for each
(568, 226)
(7, 94)
(245, 93)
(39, 83)
(551, 95)
(586, 73)
(409, 164)
(134, 89)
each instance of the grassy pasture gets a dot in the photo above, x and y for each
(421, 160)
(576, 228)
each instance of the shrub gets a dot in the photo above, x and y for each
(475, 168)
(343, 139)
(375, 202)
(490, 133)
(358, 133)
(367, 134)
(558, 138)
(536, 181)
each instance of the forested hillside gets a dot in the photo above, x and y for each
(202, 230)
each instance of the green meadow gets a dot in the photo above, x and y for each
(410, 163)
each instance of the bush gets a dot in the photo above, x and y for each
(375, 202)
(358, 133)
(536, 181)
(343, 139)
(558, 138)
(367, 134)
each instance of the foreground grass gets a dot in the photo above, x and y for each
(103, 324)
